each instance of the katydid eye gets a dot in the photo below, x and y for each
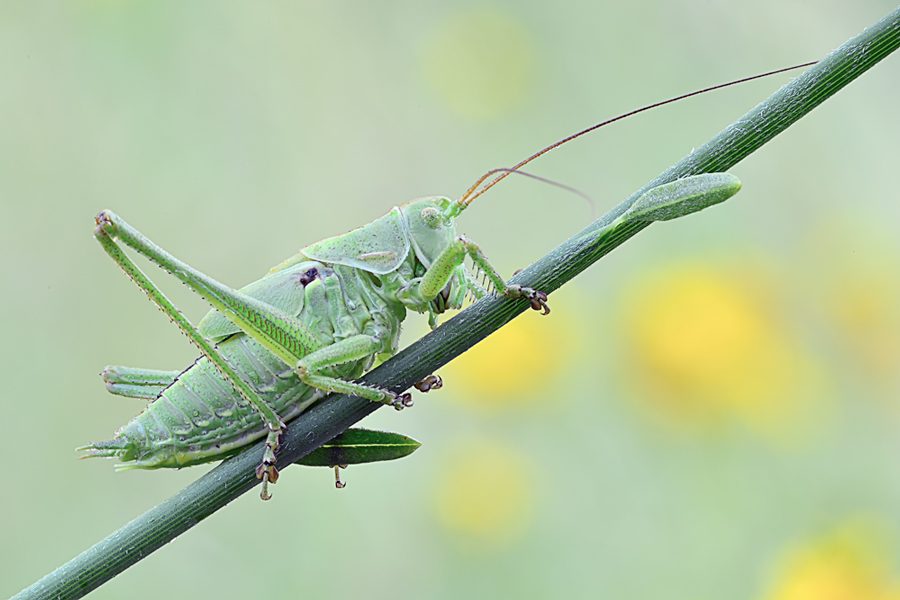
(432, 217)
(309, 277)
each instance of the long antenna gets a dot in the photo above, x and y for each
(568, 188)
(474, 191)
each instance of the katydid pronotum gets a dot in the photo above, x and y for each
(318, 321)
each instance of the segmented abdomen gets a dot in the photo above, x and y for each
(201, 417)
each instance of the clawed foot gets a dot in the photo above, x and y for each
(432, 382)
(266, 469)
(401, 401)
(537, 298)
(268, 474)
(337, 477)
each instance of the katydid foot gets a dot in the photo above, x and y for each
(431, 382)
(537, 298)
(266, 469)
(268, 474)
(337, 477)
(400, 401)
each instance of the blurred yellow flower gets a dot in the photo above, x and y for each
(484, 494)
(865, 310)
(705, 345)
(859, 292)
(851, 563)
(480, 62)
(525, 361)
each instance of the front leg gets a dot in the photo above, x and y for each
(353, 348)
(447, 261)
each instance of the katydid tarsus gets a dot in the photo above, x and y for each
(318, 321)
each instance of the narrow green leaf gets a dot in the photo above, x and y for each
(357, 446)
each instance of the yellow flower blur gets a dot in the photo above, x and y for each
(484, 494)
(523, 362)
(703, 344)
(859, 296)
(849, 564)
(863, 307)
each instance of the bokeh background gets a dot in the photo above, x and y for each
(712, 411)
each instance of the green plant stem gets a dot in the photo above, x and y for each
(232, 478)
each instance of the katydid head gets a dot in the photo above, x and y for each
(432, 226)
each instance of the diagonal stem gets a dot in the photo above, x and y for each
(232, 478)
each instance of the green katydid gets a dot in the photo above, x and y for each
(318, 321)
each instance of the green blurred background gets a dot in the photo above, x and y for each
(710, 412)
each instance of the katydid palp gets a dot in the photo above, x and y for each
(319, 320)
